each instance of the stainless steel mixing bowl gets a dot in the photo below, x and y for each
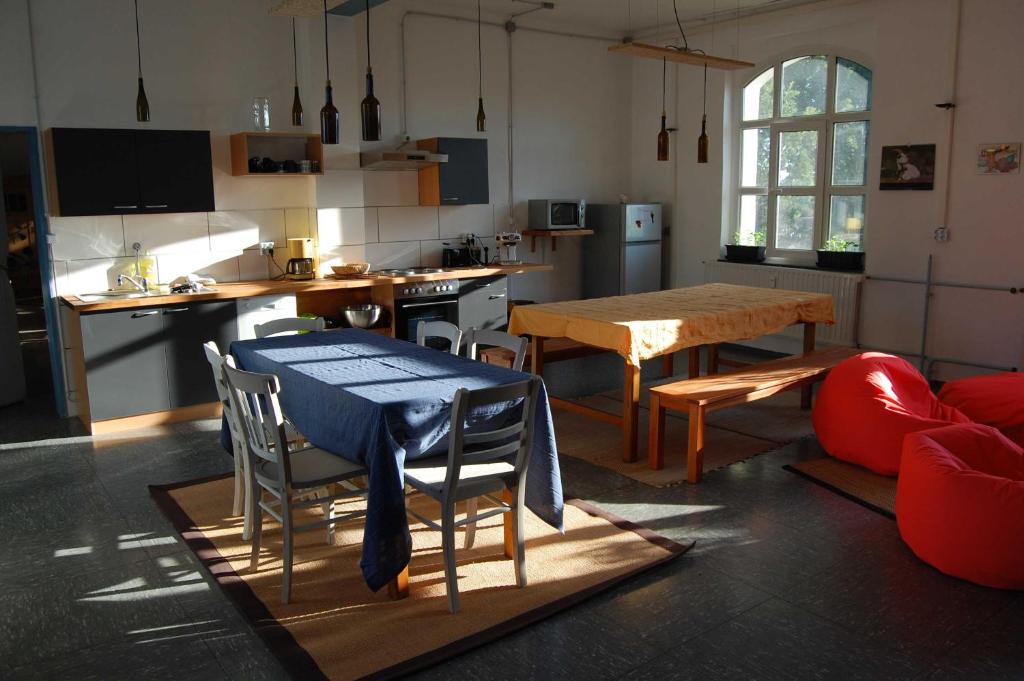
(361, 316)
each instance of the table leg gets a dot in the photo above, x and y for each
(805, 392)
(694, 368)
(712, 359)
(695, 448)
(656, 435)
(398, 587)
(510, 535)
(537, 356)
(668, 365)
(630, 412)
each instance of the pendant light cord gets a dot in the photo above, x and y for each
(682, 33)
(664, 68)
(327, 49)
(368, 62)
(705, 89)
(295, 54)
(479, 54)
(138, 39)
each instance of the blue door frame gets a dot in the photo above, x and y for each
(45, 266)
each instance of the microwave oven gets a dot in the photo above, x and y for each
(557, 213)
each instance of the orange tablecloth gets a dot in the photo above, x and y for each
(647, 325)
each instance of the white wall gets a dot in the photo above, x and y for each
(908, 45)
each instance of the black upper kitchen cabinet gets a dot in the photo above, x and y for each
(125, 172)
(462, 179)
(186, 328)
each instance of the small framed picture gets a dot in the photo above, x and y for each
(908, 167)
(1002, 158)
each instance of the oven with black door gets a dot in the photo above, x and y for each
(428, 301)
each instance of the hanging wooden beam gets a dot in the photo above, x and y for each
(679, 56)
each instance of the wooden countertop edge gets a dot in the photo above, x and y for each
(250, 289)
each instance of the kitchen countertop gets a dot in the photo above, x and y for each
(250, 289)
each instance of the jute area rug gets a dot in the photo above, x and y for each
(336, 628)
(731, 435)
(872, 490)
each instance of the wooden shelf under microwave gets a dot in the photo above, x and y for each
(553, 234)
(245, 145)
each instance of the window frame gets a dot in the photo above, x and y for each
(825, 123)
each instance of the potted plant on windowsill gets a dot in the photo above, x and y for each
(840, 254)
(746, 247)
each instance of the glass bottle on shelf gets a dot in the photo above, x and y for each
(261, 114)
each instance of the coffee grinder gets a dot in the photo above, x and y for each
(300, 259)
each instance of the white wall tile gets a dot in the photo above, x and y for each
(252, 266)
(346, 226)
(88, 276)
(458, 220)
(78, 238)
(339, 189)
(391, 188)
(168, 233)
(59, 270)
(384, 256)
(430, 253)
(339, 255)
(417, 223)
(222, 266)
(240, 229)
(297, 223)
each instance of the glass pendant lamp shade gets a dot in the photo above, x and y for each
(481, 117)
(370, 108)
(702, 141)
(330, 119)
(296, 101)
(663, 133)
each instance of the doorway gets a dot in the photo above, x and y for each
(29, 342)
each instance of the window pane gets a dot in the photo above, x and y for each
(798, 158)
(803, 86)
(853, 86)
(756, 144)
(794, 222)
(758, 96)
(753, 221)
(846, 220)
(850, 153)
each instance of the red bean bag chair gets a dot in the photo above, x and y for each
(868, 403)
(960, 503)
(996, 400)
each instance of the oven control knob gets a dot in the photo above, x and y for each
(437, 288)
(405, 291)
(417, 290)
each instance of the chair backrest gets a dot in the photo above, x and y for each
(497, 339)
(254, 399)
(289, 325)
(473, 443)
(425, 330)
(217, 362)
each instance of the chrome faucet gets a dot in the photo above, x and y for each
(139, 283)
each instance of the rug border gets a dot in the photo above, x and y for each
(297, 661)
(841, 492)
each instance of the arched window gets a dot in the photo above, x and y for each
(803, 149)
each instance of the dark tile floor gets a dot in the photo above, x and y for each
(787, 581)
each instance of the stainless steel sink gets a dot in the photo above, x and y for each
(126, 295)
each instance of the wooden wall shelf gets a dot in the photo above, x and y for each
(553, 234)
(280, 146)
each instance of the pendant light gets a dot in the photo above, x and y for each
(141, 103)
(296, 102)
(702, 141)
(481, 117)
(663, 134)
(370, 106)
(330, 120)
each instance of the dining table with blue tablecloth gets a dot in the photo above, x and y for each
(381, 402)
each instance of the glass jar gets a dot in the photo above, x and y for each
(261, 114)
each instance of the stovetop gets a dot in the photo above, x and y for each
(409, 271)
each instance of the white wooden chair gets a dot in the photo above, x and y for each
(446, 330)
(286, 475)
(288, 325)
(480, 463)
(238, 505)
(489, 338)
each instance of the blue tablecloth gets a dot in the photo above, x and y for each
(379, 401)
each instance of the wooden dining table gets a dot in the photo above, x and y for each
(645, 326)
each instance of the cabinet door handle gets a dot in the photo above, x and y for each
(147, 313)
(496, 296)
(156, 205)
(170, 310)
(126, 207)
(451, 198)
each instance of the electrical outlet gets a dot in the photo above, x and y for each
(942, 234)
(266, 248)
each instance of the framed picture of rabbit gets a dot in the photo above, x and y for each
(908, 167)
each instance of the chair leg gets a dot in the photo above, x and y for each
(517, 514)
(286, 557)
(471, 509)
(328, 507)
(238, 504)
(256, 514)
(448, 545)
(250, 487)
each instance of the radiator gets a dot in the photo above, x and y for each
(845, 290)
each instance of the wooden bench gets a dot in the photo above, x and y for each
(555, 350)
(698, 396)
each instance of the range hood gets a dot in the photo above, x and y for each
(410, 159)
